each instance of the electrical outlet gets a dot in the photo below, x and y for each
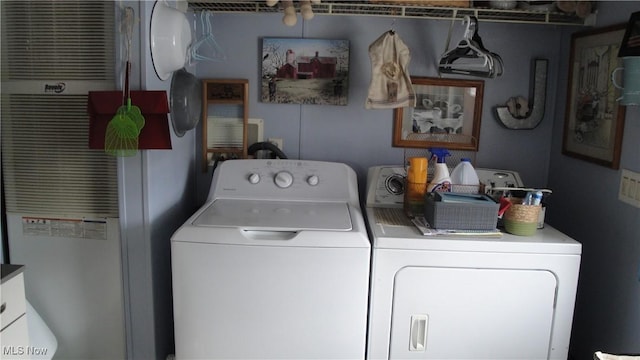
(277, 142)
(629, 188)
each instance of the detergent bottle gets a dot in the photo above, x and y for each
(441, 180)
(464, 177)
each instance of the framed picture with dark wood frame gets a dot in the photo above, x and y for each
(447, 114)
(594, 121)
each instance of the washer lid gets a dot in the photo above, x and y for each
(276, 215)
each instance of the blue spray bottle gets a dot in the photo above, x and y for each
(441, 180)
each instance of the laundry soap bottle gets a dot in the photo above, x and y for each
(441, 180)
(464, 178)
(416, 186)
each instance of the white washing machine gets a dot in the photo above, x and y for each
(275, 265)
(510, 297)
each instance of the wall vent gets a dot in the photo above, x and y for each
(53, 54)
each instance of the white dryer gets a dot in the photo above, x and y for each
(275, 265)
(502, 298)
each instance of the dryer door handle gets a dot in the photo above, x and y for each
(418, 336)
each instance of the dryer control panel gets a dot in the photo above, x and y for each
(494, 178)
(385, 184)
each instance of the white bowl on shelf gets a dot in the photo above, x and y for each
(503, 4)
(537, 5)
(170, 37)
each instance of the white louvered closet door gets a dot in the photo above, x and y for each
(62, 197)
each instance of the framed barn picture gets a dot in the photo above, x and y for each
(305, 71)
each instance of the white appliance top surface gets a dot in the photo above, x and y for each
(407, 237)
(276, 215)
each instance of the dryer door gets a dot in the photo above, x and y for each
(465, 313)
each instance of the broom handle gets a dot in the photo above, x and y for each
(128, 22)
(125, 94)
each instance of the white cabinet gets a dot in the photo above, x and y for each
(14, 335)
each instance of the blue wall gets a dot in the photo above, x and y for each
(362, 138)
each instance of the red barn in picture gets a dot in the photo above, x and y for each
(308, 67)
(317, 67)
(287, 71)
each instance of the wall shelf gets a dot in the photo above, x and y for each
(362, 8)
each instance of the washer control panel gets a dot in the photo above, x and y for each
(284, 179)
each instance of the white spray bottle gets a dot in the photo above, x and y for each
(441, 180)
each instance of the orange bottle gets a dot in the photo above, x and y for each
(416, 186)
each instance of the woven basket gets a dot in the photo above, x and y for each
(521, 219)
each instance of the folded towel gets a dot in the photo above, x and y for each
(390, 81)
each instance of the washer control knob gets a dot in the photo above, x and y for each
(283, 179)
(313, 180)
(254, 178)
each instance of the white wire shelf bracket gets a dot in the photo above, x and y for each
(361, 8)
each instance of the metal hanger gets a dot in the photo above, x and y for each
(470, 57)
(392, 30)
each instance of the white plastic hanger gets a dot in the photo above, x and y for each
(208, 40)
